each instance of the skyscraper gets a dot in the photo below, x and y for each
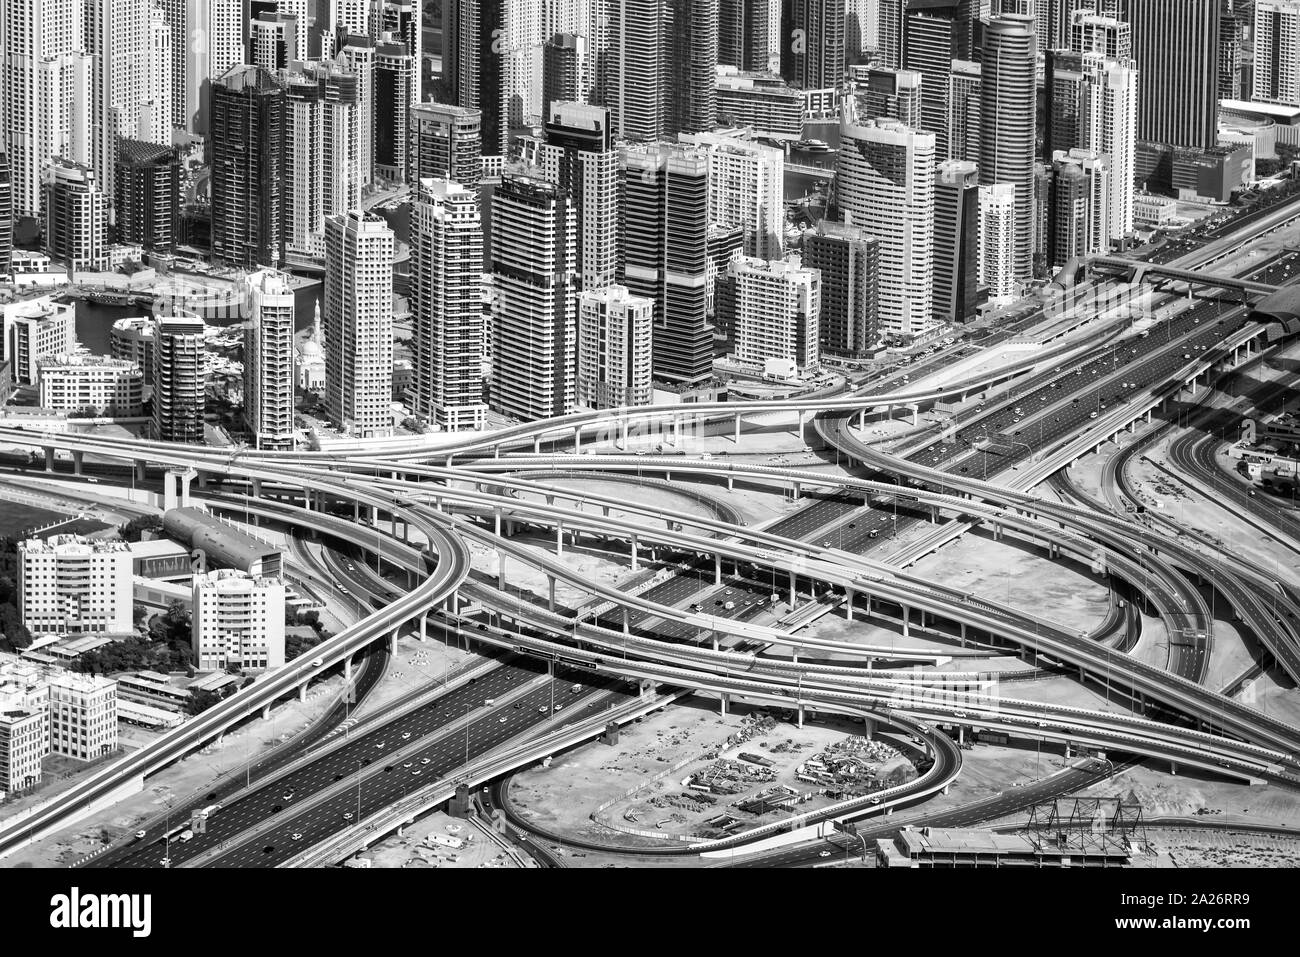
(268, 362)
(321, 163)
(663, 244)
(147, 195)
(892, 94)
(932, 44)
(849, 262)
(395, 76)
(535, 320)
(1079, 214)
(45, 95)
(359, 323)
(889, 52)
(956, 241)
(247, 121)
(179, 372)
(445, 144)
(580, 157)
(749, 34)
(212, 42)
(885, 173)
(1008, 109)
(564, 70)
(816, 57)
(693, 45)
(472, 67)
(965, 92)
(357, 56)
(997, 262)
(6, 216)
(1277, 51)
(662, 61)
(76, 217)
(446, 312)
(614, 348)
(746, 189)
(1176, 48)
(777, 311)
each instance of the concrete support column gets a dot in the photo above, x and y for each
(862, 419)
(635, 564)
(963, 634)
(731, 482)
(77, 461)
(266, 711)
(424, 619)
(49, 459)
(715, 641)
(347, 669)
(501, 569)
(800, 719)
(392, 641)
(868, 728)
(577, 438)
(916, 415)
(726, 700)
(627, 621)
(848, 603)
(798, 490)
(139, 470)
(496, 521)
(794, 593)
(717, 569)
(623, 433)
(537, 443)
(550, 592)
(302, 691)
(907, 622)
(736, 438)
(559, 538)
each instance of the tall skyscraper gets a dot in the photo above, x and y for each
(749, 34)
(885, 173)
(179, 374)
(1277, 51)
(1176, 48)
(6, 216)
(45, 96)
(1091, 32)
(746, 189)
(473, 35)
(1008, 109)
(446, 312)
(891, 94)
(395, 76)
(849, 262)
(615, 354)
(535, 314)
(956, 241)
(777, 311)
(1079, 215)
(273, 41)
(965, 92)
(564, 70)
(932, 44)
(248, 134)
(889, 50)
(76, 217)
(997, 262)
(816, 57)
(213, 44)
(359, 324)
(662, 61)
(357, 56)
(1092, 105)
(663, 247)
(580, 157)
(147, 195)
(268, 362)
(445, 143)
(321, 161)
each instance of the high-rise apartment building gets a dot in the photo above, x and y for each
(445, 142)
(956, 241)
(146, 199)
(615, 353)
(889, 93)
(746, 189)
(75, 217)
(933, 42)
(247, 120)
(849, 262)
(395, 75)
(662, 59)
(1277, 52)
(237, 621)
(210, 44)
(965, 92)
(565, 67)
(997, 266)
(534, 314)
(83, 715)
(663, 248)
(1008, 110)
(889, 33)
(83, 384)
(179, 378)
(357, 56)
(6, 215)
(33, 329)
(886, 186)
(131, 340)
(322, 159)
(815, 60)
(749, 34)
(359, 249)
(46, 103)
(269, 362)
(777, 308)
(1079, 214)
(580, 157)
(73, 585)
(446, 309)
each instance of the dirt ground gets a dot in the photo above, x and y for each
(410, 850)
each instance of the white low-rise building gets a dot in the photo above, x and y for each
(238, 621)
(83, 715)
(93, 384)
(73, 585)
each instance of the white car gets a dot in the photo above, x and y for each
(824, 854)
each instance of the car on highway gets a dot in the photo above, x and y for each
(348, 815)
(287, 794)
(166, 862)
(424, 760)
(503, 719)
(824, 854)
(297, 836)
(415, 773)
(317, 662)
(139, 835)
(406, 736)
(409, 764)
(518, 705)
(542, 710)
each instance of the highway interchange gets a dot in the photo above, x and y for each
(853, 535)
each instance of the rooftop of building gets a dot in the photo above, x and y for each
(84, 684)
(233, 579)
(138, 153)
(73, 545)
(84, 361)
